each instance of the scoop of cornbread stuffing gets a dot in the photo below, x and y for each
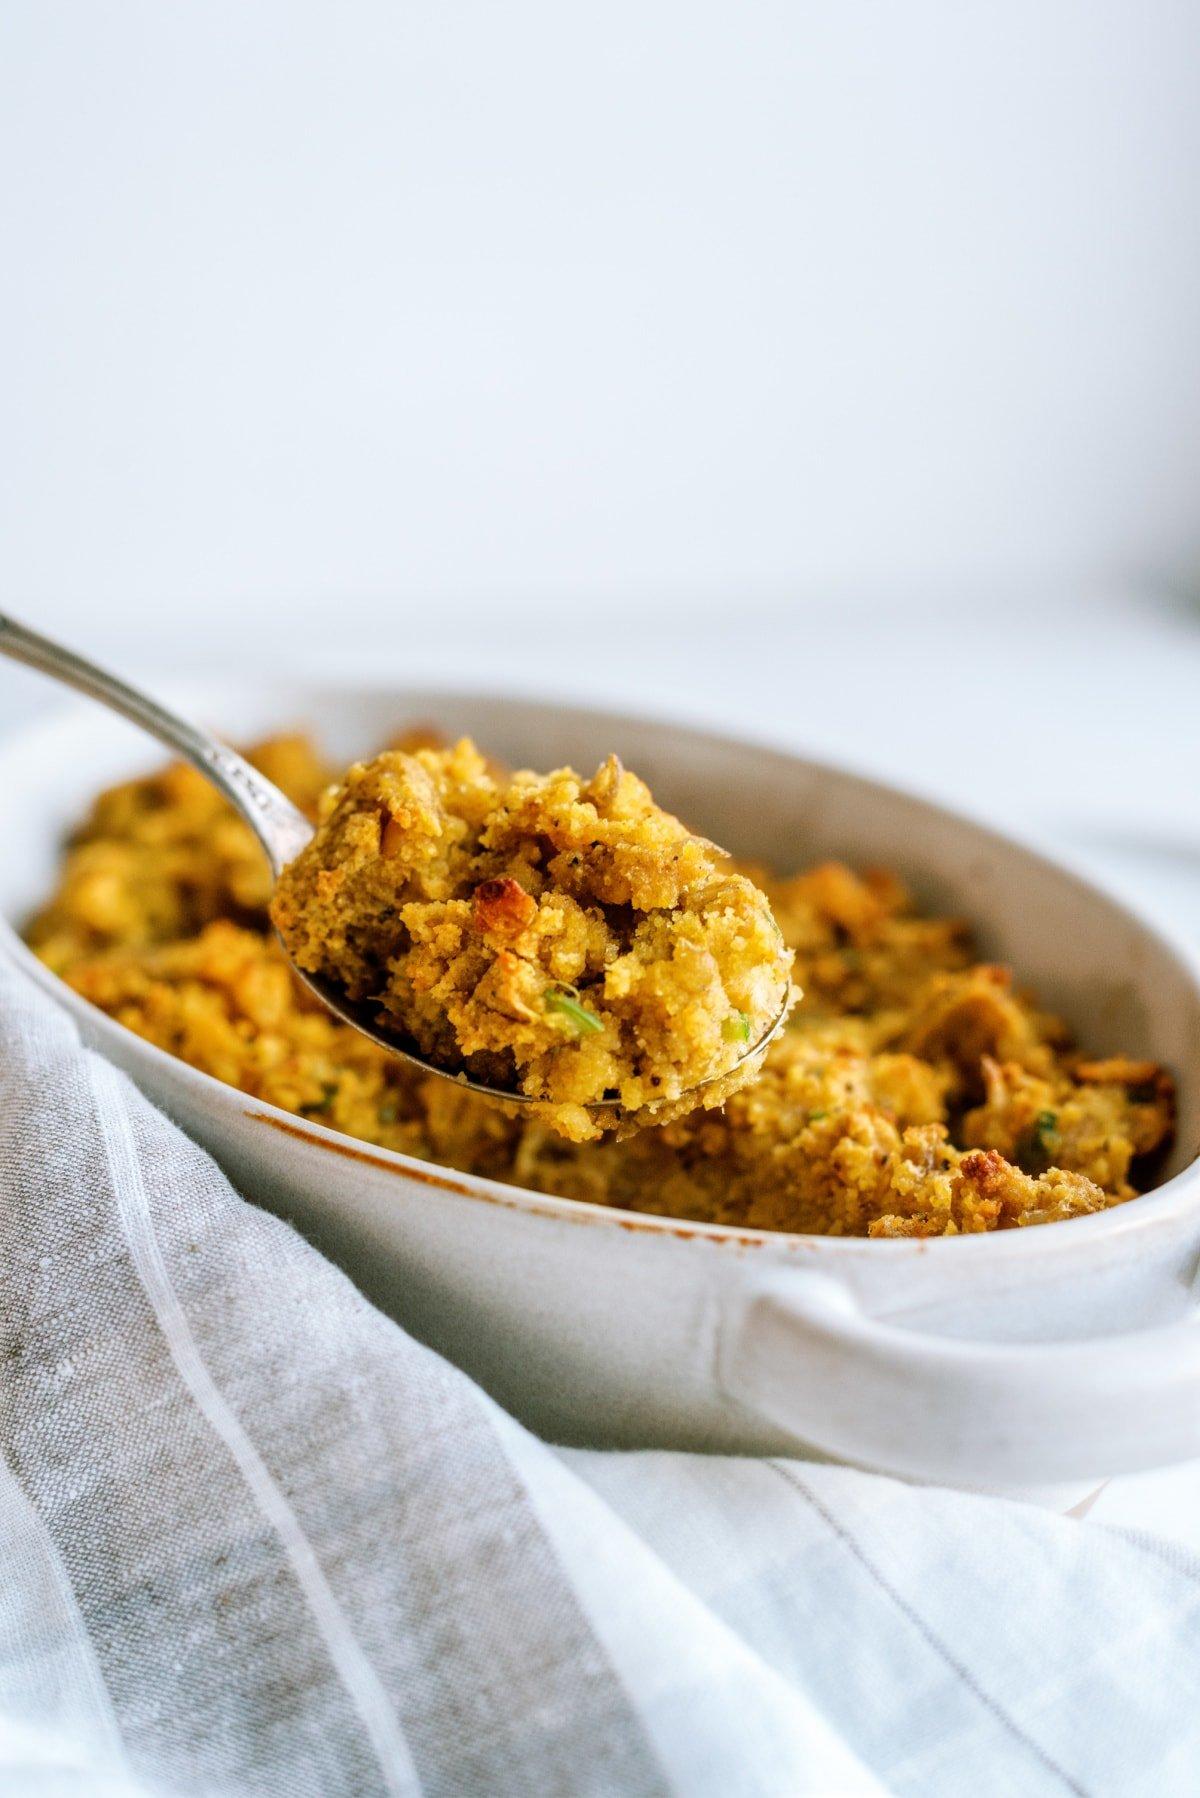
(560, 937)
(915, 1092)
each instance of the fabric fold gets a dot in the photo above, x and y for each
(256, 1539)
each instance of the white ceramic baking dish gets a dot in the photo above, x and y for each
(1045, 1355)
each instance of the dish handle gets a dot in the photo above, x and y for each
(803, 1355)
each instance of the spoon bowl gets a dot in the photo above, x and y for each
(357, 1013)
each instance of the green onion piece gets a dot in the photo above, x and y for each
(328, 1095)
(814, 1117)
(736, 1028)
(585, 1021)
(1046, 1125)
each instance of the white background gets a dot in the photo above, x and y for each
(823, 367)
(827, 367)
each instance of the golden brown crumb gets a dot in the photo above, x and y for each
(564, 938)
(914, 1092)
(158, 858)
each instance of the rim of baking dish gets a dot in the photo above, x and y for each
(1161, 1205)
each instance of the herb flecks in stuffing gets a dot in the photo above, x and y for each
(903, 1100)
(560, 937)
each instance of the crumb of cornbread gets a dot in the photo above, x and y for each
(156, 859)
(916, 1092)
(561, 937)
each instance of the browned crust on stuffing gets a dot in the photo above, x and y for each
(916, 1093)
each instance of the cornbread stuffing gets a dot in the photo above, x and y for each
(566, 938)
(915, 1091)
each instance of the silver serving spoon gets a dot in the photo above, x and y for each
(279, 826)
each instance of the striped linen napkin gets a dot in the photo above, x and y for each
(255, 1540)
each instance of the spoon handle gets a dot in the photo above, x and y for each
(281, 829)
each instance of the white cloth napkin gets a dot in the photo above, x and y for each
(255, 1540)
